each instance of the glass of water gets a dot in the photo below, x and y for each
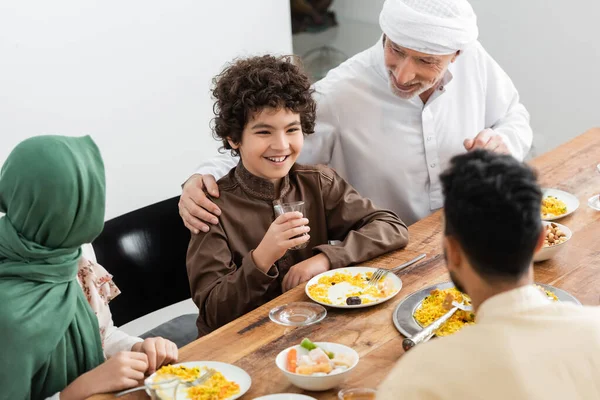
(282, 208)
(167, 389)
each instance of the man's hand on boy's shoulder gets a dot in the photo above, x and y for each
(195, 208)
(305, 270)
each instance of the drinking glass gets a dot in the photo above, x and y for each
(282, 208)
(357, 394)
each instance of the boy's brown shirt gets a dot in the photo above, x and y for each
(224, 281)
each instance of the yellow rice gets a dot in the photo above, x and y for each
(216, 388)
(320, 290)
(553, 207)
(182, 372)
(548, 293)
(432, 308)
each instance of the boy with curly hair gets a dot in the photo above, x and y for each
(263, 109)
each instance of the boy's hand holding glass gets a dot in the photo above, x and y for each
(283, 234)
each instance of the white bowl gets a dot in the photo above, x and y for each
(317, 383)
(546, 253)
(570, 200)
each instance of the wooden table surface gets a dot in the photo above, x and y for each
(252, 341)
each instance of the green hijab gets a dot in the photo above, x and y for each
(52, 190)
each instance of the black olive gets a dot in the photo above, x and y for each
(353, 301)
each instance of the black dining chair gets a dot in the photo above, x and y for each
(145, 251)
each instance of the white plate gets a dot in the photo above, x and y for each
(570, 200)
(230, 372)
(285, 396)
(339, 290)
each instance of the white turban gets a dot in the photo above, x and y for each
(429, 26)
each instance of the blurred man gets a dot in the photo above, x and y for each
(523, 344)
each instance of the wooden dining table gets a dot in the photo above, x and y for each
(252, 341)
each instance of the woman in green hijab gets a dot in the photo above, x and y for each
(52, 190)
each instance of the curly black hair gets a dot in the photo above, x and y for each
(492, 207)
(249, 85)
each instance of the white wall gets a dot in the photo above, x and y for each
(133, 74)
(549, 49)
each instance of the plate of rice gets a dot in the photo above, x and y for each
(348, 288)
(427, 305)
(557, 204)
(228, 382)
(432, 308)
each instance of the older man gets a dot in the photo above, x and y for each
(523, 345)
(390, 118)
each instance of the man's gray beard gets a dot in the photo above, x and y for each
(405, 96)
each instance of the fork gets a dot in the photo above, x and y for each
(381, 273)
(135, 389)
(200, 380)
(428, 332)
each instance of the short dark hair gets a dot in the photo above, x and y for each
(249, 85)
(492, 208)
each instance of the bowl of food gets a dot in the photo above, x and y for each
(317, 366)
(557, 204)
(556, 237)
